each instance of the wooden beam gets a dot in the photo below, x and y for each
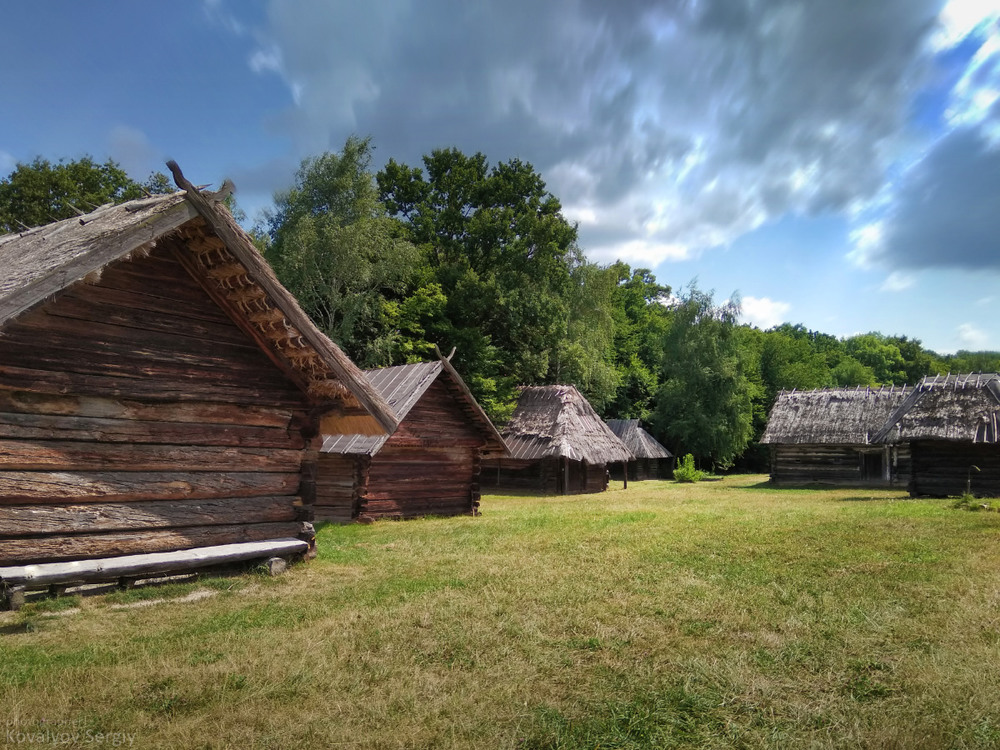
(87, 571)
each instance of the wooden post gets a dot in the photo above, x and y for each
(625, 473)
(565, 475)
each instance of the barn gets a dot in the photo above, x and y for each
(159, 392)
(429, 465)
(558, 445)
(826, 436)
(949, 425)
(652, 460)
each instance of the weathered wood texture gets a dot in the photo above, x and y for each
(338, 486)
(136, 416)
(147, 564)
(550, 476)
(941, 468)
(429, 466)
(793, 464)
(643, 468)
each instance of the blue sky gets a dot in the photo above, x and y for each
(836, 164)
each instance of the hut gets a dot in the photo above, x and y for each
(159, 391)
(652, 460)
(950, 426)
(429, 465)
(557, 445)
(826, 436)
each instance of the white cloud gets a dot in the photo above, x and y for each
(972, 338)
(897, 282)
(976, 93)
(959, 18)
(216, 13)
(266, 60)
(638, 252)
(867, 243)
(764, 312)
(672, 127)
(131, 148)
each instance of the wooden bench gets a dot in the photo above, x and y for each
(15, 580)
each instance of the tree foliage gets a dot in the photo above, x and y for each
(42, 192)
(704, 402)
(333, 245)
(458, 253)
(495, 242)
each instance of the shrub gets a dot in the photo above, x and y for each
(686, 472)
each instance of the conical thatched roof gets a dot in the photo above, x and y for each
(950, 407)
(841, 416)
(640, 442)
(40, 263)
(556, 421)
(402, 387)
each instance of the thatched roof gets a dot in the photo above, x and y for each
(950, 407)
(37, 264)
(837, 416)
(402, 388)
(556, 421)
(640, 442)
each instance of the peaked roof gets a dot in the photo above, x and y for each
(841, 416)
(402, 387)
(948, 407)
(640, 442)
(556, 421)
(39, 263)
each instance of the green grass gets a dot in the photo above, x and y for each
(712, 615)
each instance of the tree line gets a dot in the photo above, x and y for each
(463, 254)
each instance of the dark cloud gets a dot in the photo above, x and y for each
(947, 213)
(687, 122)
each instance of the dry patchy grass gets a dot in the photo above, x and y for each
(716, 615)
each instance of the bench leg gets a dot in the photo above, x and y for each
(12, 598)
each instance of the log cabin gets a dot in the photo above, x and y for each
(558, 445)
(652, 460)
(826, 436)
(159, 391)
(950, 426)
(429, 466)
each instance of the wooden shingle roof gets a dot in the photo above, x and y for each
(39, 263)
(948, 407)
(833, 416)
(402, 387)
(556, 421)
(640, 442)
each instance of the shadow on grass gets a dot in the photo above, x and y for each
(825, 487)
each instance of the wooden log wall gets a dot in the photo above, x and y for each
(804, 464)
(839, 464)
(514, 475)
(339, 485)
(135, 416)
(941, 468)
(546, 476)
(430, 465)
(642, 469)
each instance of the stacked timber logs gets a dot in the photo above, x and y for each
(136, 416)
(429, 466)
(946, 467)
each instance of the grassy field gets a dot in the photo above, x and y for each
(718, 615)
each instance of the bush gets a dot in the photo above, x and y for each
(686, 472)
